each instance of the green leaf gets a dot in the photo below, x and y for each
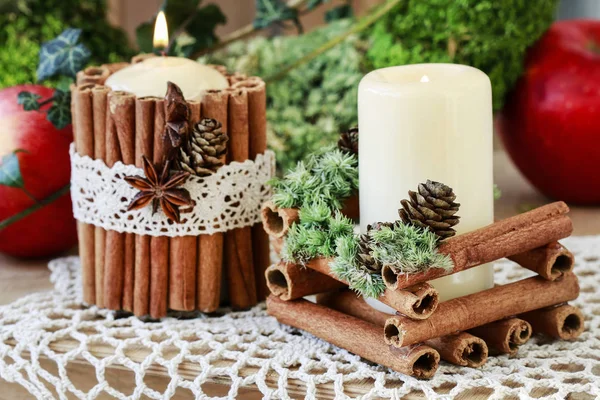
(10, 172)
(344, 11)
(60, 111)
(202, 26)
(29, 101)
(62, 56)
(178, 13)
(315, 3)
(272, 11)
(64, 83)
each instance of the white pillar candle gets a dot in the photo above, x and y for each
(150, 77)
(428, 121)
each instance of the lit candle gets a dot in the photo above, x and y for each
(150, 76)
(428, 121)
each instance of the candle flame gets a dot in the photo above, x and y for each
(424, 78)
(161, 33)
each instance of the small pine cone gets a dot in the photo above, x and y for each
(203, 153)
(432, 207)
(348, 141)
(378, 225)
(364, 255)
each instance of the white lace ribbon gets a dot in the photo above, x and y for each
(230, 198)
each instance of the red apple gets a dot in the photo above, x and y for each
(551, 122)
(45, 169)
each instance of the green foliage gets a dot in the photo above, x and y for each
(60, 110)
(29, 23)
(184, 16)
(346, 267)
(407, 248)
(497, 192)
(63, 55)
(274, 11)
(488, 34)
(10, 172)
(29, 101)
(315, 102)
(339, 12)
(325, 178)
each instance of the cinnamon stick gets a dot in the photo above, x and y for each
(289, 281)
(93, 75)
(461, 349)
(257, 125)
(114, 67)
(481, 308)
(182, 267)
(355, 335)
(501, 239)
(99, 104)
(159, 245)
(122, 106)
(277, 221)
(277, 244)
(505, 336)
(83, 130)
(550, 261)
(351, 207)
(561, 322)
(144, 146)
(114, 256)
(238, 242)
(417, 302)
(210, 247)
(221, 68)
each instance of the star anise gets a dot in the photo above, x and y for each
(160, 190)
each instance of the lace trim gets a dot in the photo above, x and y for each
(230, 198)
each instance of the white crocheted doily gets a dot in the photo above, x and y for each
(252, 349)
(230, 198)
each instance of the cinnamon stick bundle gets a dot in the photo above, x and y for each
(114, 256)
(210, 247)
(114, 67)
(481, 308)
(93, 75)
(144, 142)
(277, 245)
(460, 349)
(289, 281)
(501, 239)
(561, 322)
(99, 105)
(83, 131)
(550, 261)
(238, 242)
(257, 125)
(355, 335)
(417, 302)
(505, 336)
(277, 221)
(159, 245)
(122, 107)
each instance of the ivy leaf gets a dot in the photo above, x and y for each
(29, 101)
(272, 11)
(340, 12)
(177, 12)
(10, 172)
(60, 111)
(63, 55)
(202, 26)
(64, 83)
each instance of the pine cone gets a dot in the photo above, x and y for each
(364, 255)
(378, 225)
(433, 208)
(348, 141)
(203, 152)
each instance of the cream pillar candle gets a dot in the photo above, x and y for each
(149, 77)
(428, 121)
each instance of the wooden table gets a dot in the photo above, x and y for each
(19, 277)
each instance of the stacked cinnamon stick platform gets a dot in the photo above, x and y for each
(462, 331)
(148, 275)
